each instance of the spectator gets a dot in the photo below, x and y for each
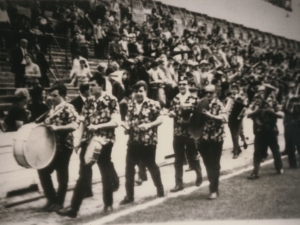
(81, 75)
(99, 35)
(37, 107)
(32, 72)
(18, 115)
(18, 63)
(44, 67)
(76, 63)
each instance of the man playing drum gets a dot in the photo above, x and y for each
(182, 106)
(62, 120)
(101, 117)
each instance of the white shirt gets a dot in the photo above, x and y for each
(183, 98)
(76, 65)
(139, 106)
(108, 86)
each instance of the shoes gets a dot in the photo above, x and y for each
(177, 188)
(189, 169)
(198, 181)
(213, 196)
(67, 212)
(88, 194)
(46, 207)
(54, 208)
(160, 192)
(138, 182)
(253, 176)
(126, 200)
(235, 156)
(108, 209)
(279, 172)
(245, 145)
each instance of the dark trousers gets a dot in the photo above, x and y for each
(235, 127)
(292, 140)
(20, 80)
(262, 141)
(211, 152)
(84, 170)
(182, 145)
(107, 172)
(99, 49)
(146, 155)
(60, 164)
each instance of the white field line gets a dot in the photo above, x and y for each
(158, 201)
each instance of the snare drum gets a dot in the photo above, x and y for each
(34, 146)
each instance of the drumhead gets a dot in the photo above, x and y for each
(40, 147)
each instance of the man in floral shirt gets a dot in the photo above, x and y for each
(264, 113)
(62, 120)
(101, 117)
(181, 109)
(211, 141)
(142, 120)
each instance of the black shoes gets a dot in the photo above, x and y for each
(245, 145)
(54, 208)
(160, 192)
(177, 188)
(126, 200)
(253, 176)
(138, 182)
(46, 207)
(67, 212)
(88, 194)
(108, 209)
(198, 181)
(284, 153)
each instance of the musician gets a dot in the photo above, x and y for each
(264, 112)
(143, 118)
(101, 117)
(235, 119)
(78, 104)
(291, 125)
(181, 109)
(211, 141)
(62, 120)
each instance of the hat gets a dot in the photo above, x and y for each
(204, 62)
(139, 84)
(24, 40)
(235, 85)
(101, 66)
(210, 88)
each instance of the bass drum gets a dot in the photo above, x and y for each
(34, 146)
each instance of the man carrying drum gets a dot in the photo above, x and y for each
(101, 117)
(182, 106)
(62, 120)
(211, 141)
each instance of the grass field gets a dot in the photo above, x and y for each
(270, 197)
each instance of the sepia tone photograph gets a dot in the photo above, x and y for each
(149, 112)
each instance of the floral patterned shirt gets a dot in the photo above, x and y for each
(149, 112)
(264, 121)
(98, 111)
(214, 129)
(63, 114)
(183, 113)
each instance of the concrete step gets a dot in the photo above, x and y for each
(11, 90)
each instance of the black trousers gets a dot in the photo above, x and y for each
(60, 164)
(235, 127)
(20, 80)
(292, 141)
(99, 49)
(262, 141)
(182, 145)
(107, 171)
(211, 152)
(146, 155)
(85, 170)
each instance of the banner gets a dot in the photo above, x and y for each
(4, 16)
(24, 11)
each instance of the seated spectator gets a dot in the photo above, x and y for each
(17, 115)
(76, 63)
(81, 75)
(32, 72)
(36, 106)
